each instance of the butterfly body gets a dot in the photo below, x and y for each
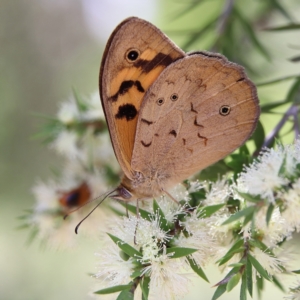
(170, 114)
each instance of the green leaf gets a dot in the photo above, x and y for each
(228, 256)
(129, 250)
(136, 273)
(197, 269)
(293, 92)
(259, 285)
(222, 284)
(235, 248)
(114, 289)
(242, 213)
(207, 211)
(295, 58)
(180, 252)
(249, 198)
(238, 160)
(278, 80)
(125, 295)
(248, 219)
(269, 213)
(123, 255)
(188, 8)
(49, 131)
(195, 36)
(81, 105)
(145, 287)
(259, 136)
(251, 34)
(221, 289)
(163, 222)
(269, 106)
(239, 264)
(243, 290)
(296, 271)
(278, 284)
(276, 4)
(234, 280)
(248, 273)
(259, 268)
(213, 172)
(284, 27)
(260, 245)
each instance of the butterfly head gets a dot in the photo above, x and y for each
(122, 194)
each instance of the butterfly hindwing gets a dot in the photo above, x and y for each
(200, 109)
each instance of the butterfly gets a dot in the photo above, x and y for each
(170, 113)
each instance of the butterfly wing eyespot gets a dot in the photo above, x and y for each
(174, 97)
(224, 110)
(160, 101)
(132, 55)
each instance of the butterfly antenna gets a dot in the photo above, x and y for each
(76, 228)
(84, 204)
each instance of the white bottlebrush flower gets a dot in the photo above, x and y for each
(96, 150)
(222, 236)
(218, 192)
(147, 235)
(270, 263)
(294, 291)
(66, 143)
(292, 207)
(169, 207)
(169, 277)
(270, 234)
(68, 112)
(94, 111)
(112, 269)
(262, 177)
(195, 186)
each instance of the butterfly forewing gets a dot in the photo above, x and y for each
(136, 53)
(200, 109)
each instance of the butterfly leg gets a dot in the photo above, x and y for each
(126, 206)
(168, 194)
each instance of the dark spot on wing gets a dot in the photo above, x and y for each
(173, 132)
(203, 137)
(124, 88)
(156, 134)
(241, 79)
(139, 86)
(147, 122)
(184, 141)
(196, 124)
(127, 111)
(146, 145)
(160, 59)
(191, 150)
(192, 108)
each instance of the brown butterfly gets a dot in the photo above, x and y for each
(170, 113)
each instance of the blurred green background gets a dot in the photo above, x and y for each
(47, 47)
